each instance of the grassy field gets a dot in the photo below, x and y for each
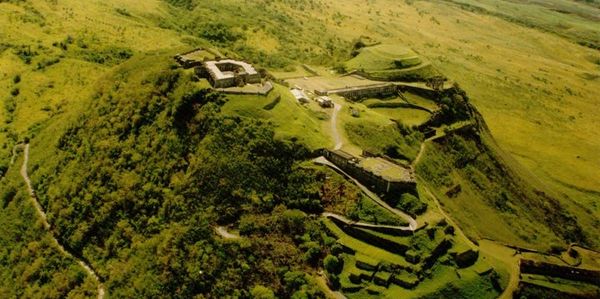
(384, 57)
(405, 115)
(519, 61)
(291, 120)
(364, 248)
(535, 89)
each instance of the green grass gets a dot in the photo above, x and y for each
(447, 284)
(397, 239)
(290, 120)
(391, 62)
(406, 116)
(384, 57)
(365, 248)
(536, 91)
(368, 211)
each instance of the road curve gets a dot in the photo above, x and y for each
(412, 223)
(44, 219)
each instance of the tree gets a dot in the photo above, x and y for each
(332, 264)
(313, 251)
(261, 292)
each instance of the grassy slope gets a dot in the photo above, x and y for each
(537, 92)
(528, 84)
(383, 57)
(531, 88)
(292, 120)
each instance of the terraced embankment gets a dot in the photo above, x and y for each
(40, 211)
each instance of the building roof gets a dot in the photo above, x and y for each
(298, 94)
(388, 170)
(213, 68)
(344, 154)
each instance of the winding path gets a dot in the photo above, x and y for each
(334, 129)
(222, 231)
(88, 269)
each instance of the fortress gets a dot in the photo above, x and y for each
(228, 73)
(380, 175)
(220, 72)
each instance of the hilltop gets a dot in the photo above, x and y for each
(167, 186)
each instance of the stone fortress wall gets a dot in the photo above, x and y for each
(377, 183)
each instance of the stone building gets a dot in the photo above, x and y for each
(378, 178)
(228, 73)
(325, 102)
(300, 96)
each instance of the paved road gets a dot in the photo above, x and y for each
(334, 129)
(412, 223)
(44, 219)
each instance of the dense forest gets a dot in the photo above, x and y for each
(140, 178)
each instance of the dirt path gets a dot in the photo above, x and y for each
(412, 223)
(419, 155)
(44, 219)
(329, 293)
(222, 231)
(337, 138)
(507, 256)
(14, 153)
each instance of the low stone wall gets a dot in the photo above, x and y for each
(267, 87)
(372, 239)
(438, 251)
(382, 89)
(527, 289)
(572, 273)
(427, 93)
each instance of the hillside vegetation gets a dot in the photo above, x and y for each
(135, 161)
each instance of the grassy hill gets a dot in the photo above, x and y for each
(384, 57)
(135, 162)
(390, 63)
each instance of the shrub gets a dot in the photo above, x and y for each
(312, 253)
(274, 103)
(17, 79)
(333, 264)
(15, 92)
(108, 56)
(262, 292)
(7, 196)
(123, 12)
(219, 32)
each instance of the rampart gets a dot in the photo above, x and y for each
(372, 239)
(379, 89)
(377, 183)
(572, 273)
